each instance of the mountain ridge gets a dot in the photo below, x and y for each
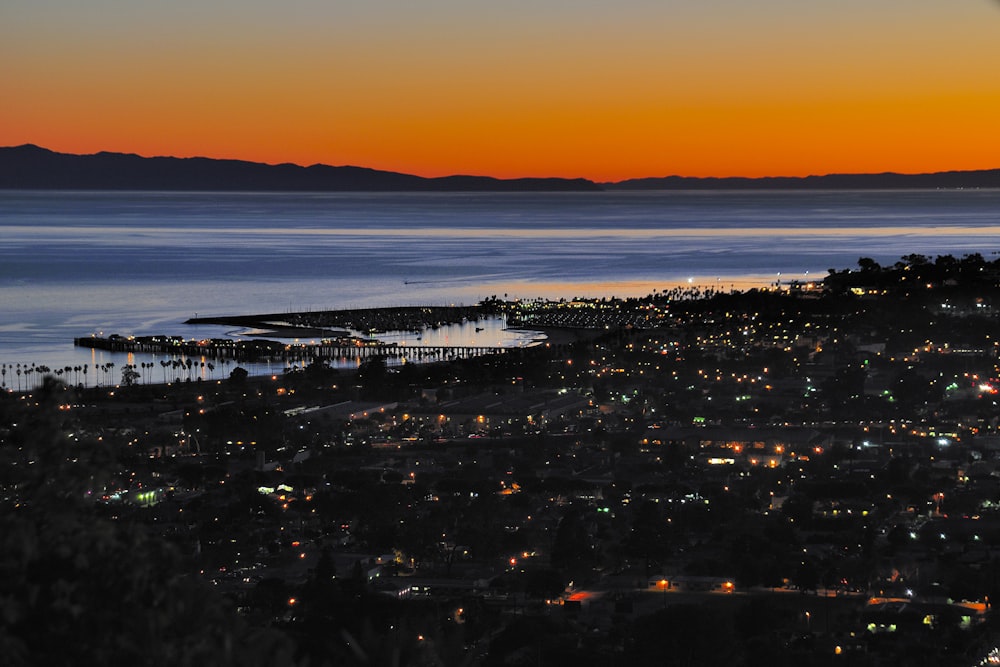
(981, 178)
(32, 167)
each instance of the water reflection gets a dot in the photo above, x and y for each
(489, 332)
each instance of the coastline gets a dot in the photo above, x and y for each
(81, 263)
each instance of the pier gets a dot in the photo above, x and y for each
(262, 351)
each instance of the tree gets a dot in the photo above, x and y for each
(129, 375)
(373, 377)
(544, 583)
(868, 265)
(238, 375)
(648, 538)
(571, 548)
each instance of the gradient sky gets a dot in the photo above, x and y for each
(603, 90)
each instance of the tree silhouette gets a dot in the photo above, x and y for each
(129, 375)
(238, 375)
(571, 550)
(648, 538)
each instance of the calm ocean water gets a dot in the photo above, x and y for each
(75, 263)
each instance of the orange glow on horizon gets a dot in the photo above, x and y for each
(653, 89)
(766, 142)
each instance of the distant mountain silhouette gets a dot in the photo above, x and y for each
(32, 167)
(989, 178)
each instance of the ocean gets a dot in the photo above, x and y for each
(139, 263)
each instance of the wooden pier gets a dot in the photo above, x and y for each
(262, 351)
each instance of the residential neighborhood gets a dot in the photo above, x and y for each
(805, 474)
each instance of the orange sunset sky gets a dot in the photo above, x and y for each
(602, 90)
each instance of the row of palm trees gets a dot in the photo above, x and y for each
(27, 376)
(19, 370)
(177, 367)
(33, 374)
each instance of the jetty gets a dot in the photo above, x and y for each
(365, 320)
